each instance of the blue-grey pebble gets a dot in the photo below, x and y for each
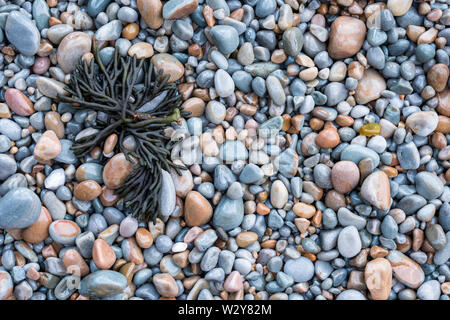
(225, 38)
(300, 269)
(103, 283)
(19, 208)
(428, 185)
(22, 33)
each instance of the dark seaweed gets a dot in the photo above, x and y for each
(113, 90)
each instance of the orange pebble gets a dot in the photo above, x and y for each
(237, 14)
(310, 256)
(262, 209)
(304, 210)
(390, 171)
(130, 31)
(195, 50)
(316, 124)
(328, 138)
(54, 21)
(208, 15)
(52, 3)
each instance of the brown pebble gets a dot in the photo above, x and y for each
(130, 31)
(87, 190)
(110, 143)
(116, 171)
(141, 50)
(328, 138)
(38, 231)
(128, 271)
(165, 285)
(378, 277)
(246, 238)
(184, 9)
(144, 238)
(344, 176)
(75, 263)
(369, 87)
(334, 200)
(151, 12)
(103, 255)
(304, 210)
(108, 197)
(53, 122)
(346, 37)
(444, 102)
(406, 270)
(197, 210)
(418, 237)
(195, 106)
(169, 65)
(135, 252)
(437, 76)
(378, 252)
(48, 147)
(208, 15)
(356, 280)
(443, 125)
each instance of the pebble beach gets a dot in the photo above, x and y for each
(313, 136)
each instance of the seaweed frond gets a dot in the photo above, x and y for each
(139, 102)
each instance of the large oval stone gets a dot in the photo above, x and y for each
(22, 33)
(406, 270)
(110, 31)
(301, 269)
(51, 87)
(151, 12)
(346, 37)
(103, 283)
(349, 242)
(18, 102)
(428, 185)
(71, 49)
(344, 176)
(423, 123)
(19, 208)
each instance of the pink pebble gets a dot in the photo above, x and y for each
(318, 19)
(251, 124)
(41, 65)
(233, 283)
(434, 15)
(18, 102)
(192, 234)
